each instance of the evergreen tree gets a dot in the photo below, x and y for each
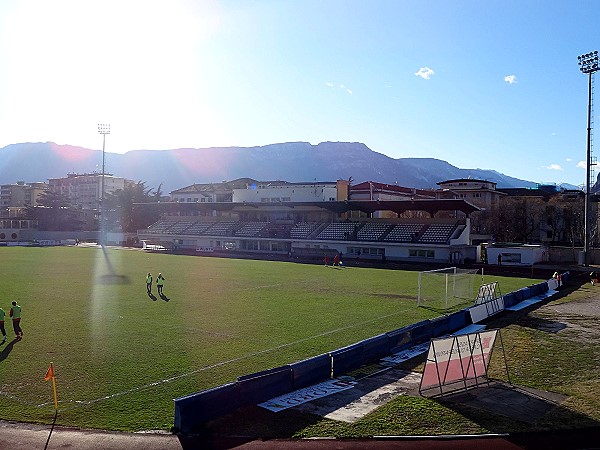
(55, 212)
(122, 213)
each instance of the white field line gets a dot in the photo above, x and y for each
(79, 403)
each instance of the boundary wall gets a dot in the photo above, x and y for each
(201, 407)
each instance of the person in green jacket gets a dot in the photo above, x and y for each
(15, 313)
(2, 325)
(160, 282)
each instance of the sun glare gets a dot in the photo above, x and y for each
(135, 64)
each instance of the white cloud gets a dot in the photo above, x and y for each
(510, 79)
(425, 73)
(341, 86)
(568, 160)
(582, 165)
(554, 167)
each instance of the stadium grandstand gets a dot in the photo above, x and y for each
(369, 221)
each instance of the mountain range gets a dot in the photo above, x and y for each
(293, 161)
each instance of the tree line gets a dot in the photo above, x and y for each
(529, 220)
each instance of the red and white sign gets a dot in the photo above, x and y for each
(458, 358)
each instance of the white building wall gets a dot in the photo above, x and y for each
(525, 255)
(293, 193)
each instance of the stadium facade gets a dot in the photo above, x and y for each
(368, 221)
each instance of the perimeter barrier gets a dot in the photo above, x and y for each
(261, 386)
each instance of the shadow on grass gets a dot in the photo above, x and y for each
(6, 350)
(164, 297)
(548, 326)
(444, 310)
(152, 296)
(113, 278)
(501, 408)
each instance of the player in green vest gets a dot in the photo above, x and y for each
(2, 325)
(160, 282)
(15, 313)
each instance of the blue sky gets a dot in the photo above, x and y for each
(480, 84)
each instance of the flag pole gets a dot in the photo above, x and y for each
(50, 376)
(55, 396)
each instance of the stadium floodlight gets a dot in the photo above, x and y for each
(588, 64)
(103, 129)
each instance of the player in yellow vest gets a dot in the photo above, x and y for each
(160, 282)
(15, 313)
(2, 325)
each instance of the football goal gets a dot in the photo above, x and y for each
(445, 288)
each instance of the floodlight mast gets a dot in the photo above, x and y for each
(588, 64)
(103, 129)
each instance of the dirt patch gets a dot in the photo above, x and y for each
(586, 307)
(579, 317)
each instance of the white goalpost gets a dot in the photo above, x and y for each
(446, 287)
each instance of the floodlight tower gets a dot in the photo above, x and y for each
(588, 64)
(103, 129)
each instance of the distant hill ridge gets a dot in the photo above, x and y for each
(292, 161)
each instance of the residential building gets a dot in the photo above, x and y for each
(21, 194)
(85, 190)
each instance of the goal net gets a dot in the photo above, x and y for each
(446, 288)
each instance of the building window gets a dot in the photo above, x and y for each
(414, 253)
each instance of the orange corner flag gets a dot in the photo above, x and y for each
(49, 373)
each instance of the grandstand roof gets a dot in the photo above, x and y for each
(367, 206)
(466, 180)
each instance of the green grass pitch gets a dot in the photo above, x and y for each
(120, 358)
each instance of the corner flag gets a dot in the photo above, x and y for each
(49, 373)
(50, 376)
